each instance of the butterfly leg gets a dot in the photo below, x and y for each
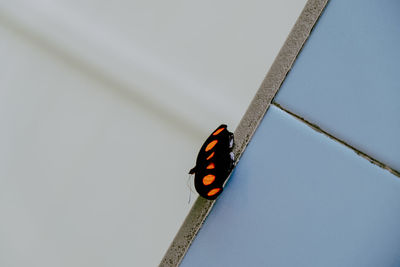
(232, 163)
(231, 140)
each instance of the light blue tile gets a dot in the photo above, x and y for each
(346, 78)
(297, 198)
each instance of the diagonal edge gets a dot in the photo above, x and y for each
(249, 123)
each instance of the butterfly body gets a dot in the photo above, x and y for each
(214, 163)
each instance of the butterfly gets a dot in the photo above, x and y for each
(214, 163)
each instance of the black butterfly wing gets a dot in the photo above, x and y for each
(214, 163)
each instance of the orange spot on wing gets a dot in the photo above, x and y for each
(213, 191)
(211, 145)
(218, 131)
(210, 166)
(209, 157)
(208, 179)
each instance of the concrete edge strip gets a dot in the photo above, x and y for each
(249, 123)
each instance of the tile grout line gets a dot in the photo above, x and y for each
(322, 131)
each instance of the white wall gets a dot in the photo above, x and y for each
(103, 107)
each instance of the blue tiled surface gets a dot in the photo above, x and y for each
(346, 78)
(297, 198)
